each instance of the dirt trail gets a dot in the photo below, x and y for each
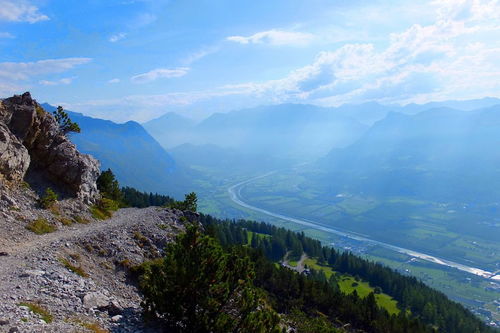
(32, 270)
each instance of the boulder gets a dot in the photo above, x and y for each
(95, 300)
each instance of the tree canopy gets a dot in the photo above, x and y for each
(199, 287)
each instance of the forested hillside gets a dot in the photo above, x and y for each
(309, 302)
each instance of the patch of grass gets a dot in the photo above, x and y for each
(141, 240)
(104, 209)
(126, 263)
(94, 327)
(80, 219)
(89, 326)
(75, 269)
(41, 226)
(39, 310)
(55, 210)
(26, 185)
(65, 221)
(99, 214)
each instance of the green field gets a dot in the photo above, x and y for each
(348, 285)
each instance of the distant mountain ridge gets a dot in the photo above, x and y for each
(283, 131)
(440, 154)
(135, 157)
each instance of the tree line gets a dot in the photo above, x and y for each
(427, 305)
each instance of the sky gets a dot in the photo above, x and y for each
(138, 59)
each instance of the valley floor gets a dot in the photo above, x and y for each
(469, 286)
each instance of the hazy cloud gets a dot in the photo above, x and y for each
(275, 37)
(26, 70)
(63, 81)
(114, 81)
(116, 37)
(20, 11)
(159, 73)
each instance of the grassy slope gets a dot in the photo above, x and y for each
(348, 284)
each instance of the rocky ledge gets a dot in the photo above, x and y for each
(31, 142)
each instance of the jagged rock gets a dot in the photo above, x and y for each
(30, 137)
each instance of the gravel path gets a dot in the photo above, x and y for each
(32, 271)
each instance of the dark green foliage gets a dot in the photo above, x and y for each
(190, 203)
(293, 291)
(108, 186)
(134, 198)
(65, 123)
(199, 287)
(306, 324)
(48, 199)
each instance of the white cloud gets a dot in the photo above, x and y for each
(116, 37)
(275, 37)
(114, 81)
(25, 70)
(195, 56)
(20, 11)
(159, 73)
(453, 55)
(63, 81)
(6, 35)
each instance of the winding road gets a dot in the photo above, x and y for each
(235, 195)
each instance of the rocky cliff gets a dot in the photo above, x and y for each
(31, 144)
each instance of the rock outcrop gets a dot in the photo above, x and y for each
(31, 138)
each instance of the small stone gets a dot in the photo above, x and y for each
(14, 330)
(116, 318)
(4, 322)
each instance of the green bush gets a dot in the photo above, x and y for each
(104, 209)
(41, 226)
(48, 199)
(190, 203)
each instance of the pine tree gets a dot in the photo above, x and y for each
(65, 123)
(198, 287)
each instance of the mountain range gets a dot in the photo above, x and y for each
(133, 155)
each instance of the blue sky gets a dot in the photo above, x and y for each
(138, 59)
